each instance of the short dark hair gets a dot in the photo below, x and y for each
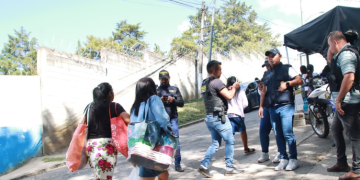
(303, 69)
(336, 35)
(212, 65)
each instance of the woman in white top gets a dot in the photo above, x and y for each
(236, 114)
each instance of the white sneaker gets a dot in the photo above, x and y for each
(293, 164)
(276, 158)
(264, 157)
(283, 163)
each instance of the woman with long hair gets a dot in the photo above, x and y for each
(146, 93)
(236, 114)
(101, 152)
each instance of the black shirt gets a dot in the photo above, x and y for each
(101, 128)
(215, 87)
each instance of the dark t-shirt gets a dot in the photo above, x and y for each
(101, 128)
(215, 87)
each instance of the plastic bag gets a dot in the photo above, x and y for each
(134, 175)
(119, 134)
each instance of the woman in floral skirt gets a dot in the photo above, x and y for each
(101, 152)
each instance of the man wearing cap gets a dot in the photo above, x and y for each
(215, 96)
(280, 99)
(345, 93)
(171, 97)
(265, 123)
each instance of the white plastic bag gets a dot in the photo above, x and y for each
(134, 175)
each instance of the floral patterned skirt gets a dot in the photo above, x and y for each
(102, 156)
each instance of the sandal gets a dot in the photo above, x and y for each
(249, 150)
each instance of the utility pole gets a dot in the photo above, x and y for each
(212, 30)
(201, 54)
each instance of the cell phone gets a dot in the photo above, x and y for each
(165, 96)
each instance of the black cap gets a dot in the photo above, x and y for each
(266, 62)
(272, 51)
(164, 74)
(351, 36)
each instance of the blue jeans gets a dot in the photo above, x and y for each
(264, 130)
(282, 122)
(175, 127)
(219, 131)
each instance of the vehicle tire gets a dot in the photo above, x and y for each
(320, 125)
(247, 109)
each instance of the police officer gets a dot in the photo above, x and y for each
(279, 99)
(171, 97)
(344, 81)
(215, 96)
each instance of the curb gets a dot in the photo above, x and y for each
(40, 171)
(191, 123)
(64, 163)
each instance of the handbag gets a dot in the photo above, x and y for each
(76, 157)
(119, 133)
(149, 145)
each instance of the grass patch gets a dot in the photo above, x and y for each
(298, 91)
(53, 159)
(192, 110)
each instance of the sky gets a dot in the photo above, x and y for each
(60, 24)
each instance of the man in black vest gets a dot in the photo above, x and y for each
(215, 96)
(344, 69)
(171, 97)
(279, 99)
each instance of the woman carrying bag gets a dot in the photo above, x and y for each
(101, 152)
(146, 93)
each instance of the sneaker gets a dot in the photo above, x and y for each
(178, 168)
(204, 171)
(282, 165)
(293, 164)
(276, 158)
(264, 157)
(232, 171)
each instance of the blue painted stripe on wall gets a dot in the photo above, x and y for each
(17, 145)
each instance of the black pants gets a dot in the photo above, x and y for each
(350, 123)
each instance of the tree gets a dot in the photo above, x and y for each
(18, 56)
(234, 28)
(158, 50)
(122, 39)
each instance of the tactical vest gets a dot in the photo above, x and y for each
(211, 99)
(273, 97)
(335, 77)
(171, 109)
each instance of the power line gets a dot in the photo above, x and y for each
(274, 23)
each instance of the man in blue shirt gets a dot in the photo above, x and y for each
(171, 97)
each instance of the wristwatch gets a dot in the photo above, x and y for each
(287, 84)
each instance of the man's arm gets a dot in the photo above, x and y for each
(179, 100)
(346, 85)
(228, 94)
(262, 102)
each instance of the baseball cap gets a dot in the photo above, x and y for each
(351, 36)
(272, 51)
(266, 62)
(164, 74)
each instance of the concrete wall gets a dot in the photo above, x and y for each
(67, 82)
(20, 120)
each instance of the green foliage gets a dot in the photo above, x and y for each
(234, 29)
(18, 56)
(122, 39)
(158, 50)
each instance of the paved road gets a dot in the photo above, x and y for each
(314, 155)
